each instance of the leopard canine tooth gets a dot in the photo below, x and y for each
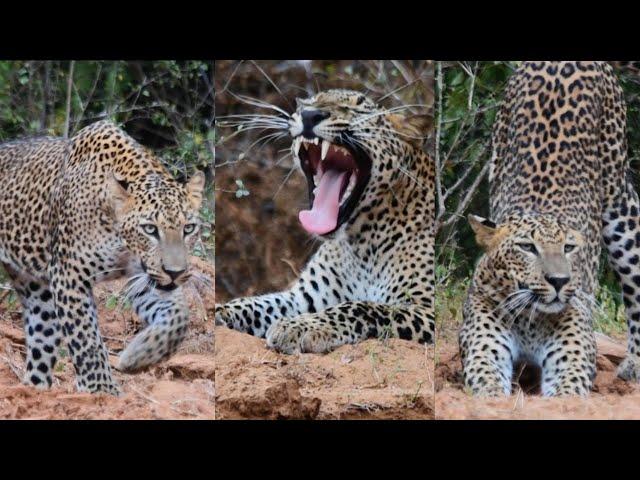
(325, 149)
(296, 146)
(347, 193)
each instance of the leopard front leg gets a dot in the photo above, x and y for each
(76, 311)
(568, 356)
(42, 329)
(488, 349)
(350, 322)
(166, 318)
(254, 315)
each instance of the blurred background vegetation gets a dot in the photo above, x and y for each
(467, 97)
(167, 106)
(260, 245)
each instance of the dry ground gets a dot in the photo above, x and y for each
(180, 388)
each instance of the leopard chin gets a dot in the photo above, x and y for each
(556, 306)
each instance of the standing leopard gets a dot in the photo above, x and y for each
(371, 192)
(560, 187)
(78, 211)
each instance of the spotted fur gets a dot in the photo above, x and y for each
(559, 181)
(374, 275)
(73, 213)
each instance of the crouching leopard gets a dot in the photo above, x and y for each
(560, 187)
(78, 211)
(371, 193)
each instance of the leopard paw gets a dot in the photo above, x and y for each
(222, 316)
(489, 391)
(629, 369)
(301, 335)
(108, 386)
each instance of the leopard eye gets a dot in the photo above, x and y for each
(568, 248)
(150, 229)
(189, 228)
(528, 247)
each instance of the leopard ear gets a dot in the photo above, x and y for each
(195, 188)
(486, 231)
(117, 187)
(413, 128)
(578, 236)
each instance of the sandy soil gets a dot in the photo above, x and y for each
(612, 398)
(180, 388)
(374, 379)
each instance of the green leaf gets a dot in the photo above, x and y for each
(112, 302)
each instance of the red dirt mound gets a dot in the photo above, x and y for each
(375, 379)
(180, 388)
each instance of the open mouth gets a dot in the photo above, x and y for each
(336, 176)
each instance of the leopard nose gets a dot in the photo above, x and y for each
(311, 118)
(557, 281)
(173, 274)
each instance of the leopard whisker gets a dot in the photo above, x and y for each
(200, 279)
(525, 298)
(102, 272)
(258, 103)
(135, 286)
(528, 299)
(285, 180)
(281, 159)
(253, 123)
(266, 139)
(591, 299)
(512, 300)
(390, 110)
(412, 177)
(580, 306)
(365, 130)
(251, 115)
(532, 313)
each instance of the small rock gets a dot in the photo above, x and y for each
(192, 366)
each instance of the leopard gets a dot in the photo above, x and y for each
(560, 191)
(82, 210)
(371, 206)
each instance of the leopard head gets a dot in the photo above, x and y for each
(349, 149)
(158, 220)
(534, 258)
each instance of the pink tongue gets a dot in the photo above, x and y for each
(323, 216)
